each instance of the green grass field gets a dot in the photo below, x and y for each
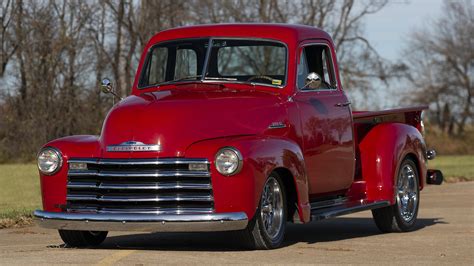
(454, 167)
(20, 191)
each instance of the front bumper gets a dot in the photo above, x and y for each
(142, 222)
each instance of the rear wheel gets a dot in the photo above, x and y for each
(401, 217)
(267, 229)
(74, 238)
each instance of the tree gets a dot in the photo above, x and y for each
(359, 62)
(7, 46)
(58, 51)
(440, 64)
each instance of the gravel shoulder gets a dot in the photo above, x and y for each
(445, 235)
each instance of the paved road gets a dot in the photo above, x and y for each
(445, 235)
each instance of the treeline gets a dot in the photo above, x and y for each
(439, 62)
(53, 55)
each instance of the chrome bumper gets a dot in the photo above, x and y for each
(142, 222)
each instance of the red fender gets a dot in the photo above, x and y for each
(261, 155)
(381, 152)
(54, 187)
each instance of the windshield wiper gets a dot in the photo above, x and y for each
(218, 78)
(181, 79)
(194, 77)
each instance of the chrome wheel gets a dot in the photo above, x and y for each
(401, 217)
(407, 193)
(271, 209)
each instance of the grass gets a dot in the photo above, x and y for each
(20, 190)
(454, 167)
(19, 194)
(449, 145)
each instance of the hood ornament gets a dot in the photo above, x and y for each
(133, 146)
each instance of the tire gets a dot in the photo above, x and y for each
(82, 238)
(402, 216)
(267, 228)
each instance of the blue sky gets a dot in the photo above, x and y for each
(388, 28)
(388, 31)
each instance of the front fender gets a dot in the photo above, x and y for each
(53, 187)
(381, 152)
(261, 155)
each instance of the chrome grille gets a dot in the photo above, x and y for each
(160, 186)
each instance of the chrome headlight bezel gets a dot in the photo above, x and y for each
(238, 161)
(59, 162)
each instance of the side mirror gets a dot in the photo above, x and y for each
(106, 87)
(313, 81)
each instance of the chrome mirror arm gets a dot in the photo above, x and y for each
(106, 87)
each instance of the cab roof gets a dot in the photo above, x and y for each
(287, 33)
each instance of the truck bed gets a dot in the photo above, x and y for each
(364, 121)
(364, 116)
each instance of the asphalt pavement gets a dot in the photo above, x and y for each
(444, 235)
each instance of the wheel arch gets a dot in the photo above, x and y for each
(291, 192)
(382, 151)
(261, 156)
(417, 162)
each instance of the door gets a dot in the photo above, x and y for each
(326, 123)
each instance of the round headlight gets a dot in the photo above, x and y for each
(49, 160)
(228, 161)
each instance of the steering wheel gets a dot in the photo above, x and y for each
(260, 77)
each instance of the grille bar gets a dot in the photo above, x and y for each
(139, 198)
(83, 209)
(153, 186)
(106, 173)
(139, 186)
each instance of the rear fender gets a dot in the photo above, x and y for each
(261, 155)
(381, 152)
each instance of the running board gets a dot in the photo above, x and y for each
(347, 208)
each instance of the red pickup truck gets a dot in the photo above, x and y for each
(235, 127)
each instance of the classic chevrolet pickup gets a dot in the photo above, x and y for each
(235, 127)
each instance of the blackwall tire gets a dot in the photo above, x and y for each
(267, 228)
(78, 239)
(402, 216)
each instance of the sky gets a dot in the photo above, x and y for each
(387, 29)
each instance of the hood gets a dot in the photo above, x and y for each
(175, 119)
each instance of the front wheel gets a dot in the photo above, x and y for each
(74, 238)
(401, 217)
(267, 229)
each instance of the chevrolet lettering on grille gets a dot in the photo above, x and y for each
(133, 146)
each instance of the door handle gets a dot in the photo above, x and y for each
(342, 104)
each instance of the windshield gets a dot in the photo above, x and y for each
(230, 60)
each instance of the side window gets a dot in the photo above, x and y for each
(186, 63)
(302, 70)
(326, 68)
(316, 58)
